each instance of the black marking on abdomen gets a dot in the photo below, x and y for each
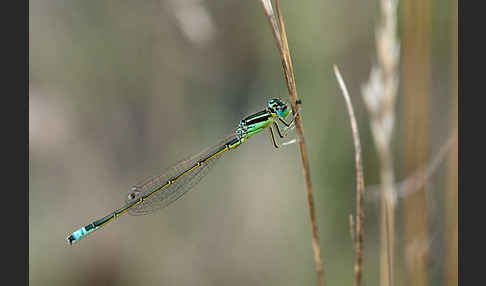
(89, 227)
(232, 142)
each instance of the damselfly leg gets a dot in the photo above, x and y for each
(286, 130)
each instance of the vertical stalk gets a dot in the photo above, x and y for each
(359, 236)
(452, 190)
(280, 37)
(387, 223)
(380, 94)
(416, 81)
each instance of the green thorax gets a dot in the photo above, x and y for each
(255, 123)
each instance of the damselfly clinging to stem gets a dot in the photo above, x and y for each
(159, 191)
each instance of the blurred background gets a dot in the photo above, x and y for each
(120, 90)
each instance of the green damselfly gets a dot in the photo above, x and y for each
(158, 192)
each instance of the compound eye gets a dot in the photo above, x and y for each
(282, 111)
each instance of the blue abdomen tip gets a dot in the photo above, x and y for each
(77, 235)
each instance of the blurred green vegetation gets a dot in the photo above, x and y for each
(121, 89)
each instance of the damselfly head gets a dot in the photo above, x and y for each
(279, 106)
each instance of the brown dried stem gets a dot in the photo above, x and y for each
(451, 197)
(359, 233)
(379, 95)
(283, 49)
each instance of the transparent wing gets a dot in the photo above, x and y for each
(171, 193)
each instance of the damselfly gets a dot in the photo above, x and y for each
(158, 192)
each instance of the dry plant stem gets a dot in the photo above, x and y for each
(453, 188)
(358, 264)
(283, 49)
(388, 216)
(379, 95)
(416, 79)
(288, 69)
(267, 9)
(388, 65)
(352, 231)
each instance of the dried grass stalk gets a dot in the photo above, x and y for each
(279, 33)
(359, 233)
(379, 95)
